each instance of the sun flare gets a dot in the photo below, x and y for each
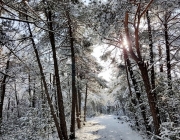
(125, 42)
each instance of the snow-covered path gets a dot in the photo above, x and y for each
(106, 127)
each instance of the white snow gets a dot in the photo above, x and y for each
(107, 127)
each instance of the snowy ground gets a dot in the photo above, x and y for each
(107, 127)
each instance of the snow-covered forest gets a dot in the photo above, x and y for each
(51, 80)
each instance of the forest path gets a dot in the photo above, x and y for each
(107, 127)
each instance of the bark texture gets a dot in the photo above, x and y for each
(168, 61)
(57, 77)
(137, 91)
(46, 88)
(85, 103)
(74, 90)
(144, 73)
(152, 72)
(3, 91)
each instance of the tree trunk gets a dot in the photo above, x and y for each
(34, 96)
(151, 98)
(55, 94)
(160, 55)
(69, 90)
(152, 61)
(74, 91)
(57, 78)
(17, 101)
(77, 115)
(29, 90)
(79, 100)
(61, 137)
(129, 86)
(151, 53)
(168, 63)
(3, 90)
(85, 103)
(8, 108)
(144, 74)
(78, 104)
(137, 91)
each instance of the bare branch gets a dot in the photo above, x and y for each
(18, 10)
(20, 20)
(128, 38)
(146, 8)
(5, 74)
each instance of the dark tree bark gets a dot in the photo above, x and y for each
(129, 86)
(29, 90)
(55, 93)
(151, 53)
(61, 137)
(74, 90)
(85, 103)
(79, 100)
(69, 90)
(8, 108)
(160, 55)
(17, 100)
(150, 95)
(144, 74)
(57, 78)
(168, 61)
(3, 90)
(152, 61)
(137, 91)
(78, 107)
(77, 114)
(34, 96)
